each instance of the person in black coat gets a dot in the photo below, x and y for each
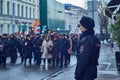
(4, 49)
(27, 50)
(55, 54)
(87, 51)
(1, 52)
(74, 44)
(20, 47)
(13, 48)
(37, 49)
(64, 45)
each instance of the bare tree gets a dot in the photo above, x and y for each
(103, 20)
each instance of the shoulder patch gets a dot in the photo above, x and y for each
(82, 48)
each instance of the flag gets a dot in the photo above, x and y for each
(36, 23)
(38, 28)
(24, 28)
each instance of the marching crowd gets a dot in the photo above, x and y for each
(50, 49)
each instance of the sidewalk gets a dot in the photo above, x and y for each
(106, 69)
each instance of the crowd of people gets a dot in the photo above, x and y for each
(42, 49)
(55, 49)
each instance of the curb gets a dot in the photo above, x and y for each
(57, 73)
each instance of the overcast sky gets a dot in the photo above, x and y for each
(80, 3)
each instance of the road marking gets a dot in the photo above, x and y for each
(109, 72)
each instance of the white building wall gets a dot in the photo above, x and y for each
(72, 19)
(6, 20)
(67, 21)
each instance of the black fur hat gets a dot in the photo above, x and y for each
(87, 22)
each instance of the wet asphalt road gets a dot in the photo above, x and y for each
(19, 72)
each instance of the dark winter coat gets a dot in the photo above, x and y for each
(37, 44)
(6, 47)
(55, 54)
(27, 49)
(13, 45)
(74, 44)
(64, 45)
(87, 57)
(20, 45)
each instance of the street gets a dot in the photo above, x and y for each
(106, 69)
(19, 72)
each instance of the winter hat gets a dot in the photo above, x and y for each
(87, 22)
(55, 36)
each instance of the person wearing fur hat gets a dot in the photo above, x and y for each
(87, 51)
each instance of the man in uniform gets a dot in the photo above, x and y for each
(87, 51)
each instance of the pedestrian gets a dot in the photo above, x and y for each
(55, 55)
(13, 48)
(37, 49)
(69, 52)
(64, 45)
(87, 51)
(47, 53)
(27, 50)
(20, 47)
(74, 42)
(4, 53)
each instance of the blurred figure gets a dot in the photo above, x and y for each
(4, 49)
(74, 44)
(64, 45)
(13, 48)
(37, 49)
(27, 50)
(55, 55)
(47, 54)
(20, 48)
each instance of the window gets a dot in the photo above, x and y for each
(1, 7)
(13, 28)
(13, 9)
(33, 1)
(30, 13)
(8, 28)
(26, 11)
(22, 11)
(18, 10)
(1, 28)
(33, 12)
(8, 8)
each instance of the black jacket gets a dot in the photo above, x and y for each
(64, 45)
(28, 48)
(87, 57)
(37, 44)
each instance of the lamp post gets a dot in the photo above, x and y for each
(93, 9)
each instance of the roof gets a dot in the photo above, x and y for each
(111, 6)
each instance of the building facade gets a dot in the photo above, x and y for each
(73, 15)
(16, 13)
(93, 13)
(52, 14)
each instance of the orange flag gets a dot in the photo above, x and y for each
(36, 23)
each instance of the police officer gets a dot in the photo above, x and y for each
(87, 51)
